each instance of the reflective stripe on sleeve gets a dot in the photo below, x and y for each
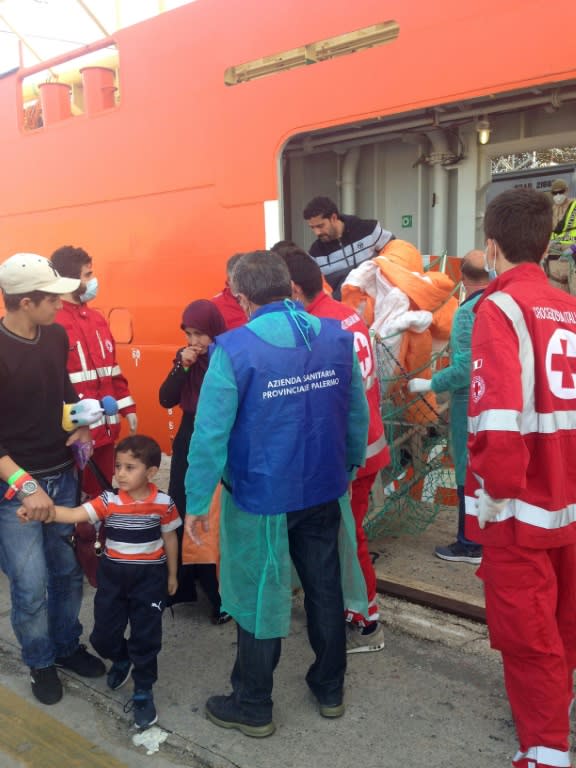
(529, 514)
(80, 376)
(105, 372)
(526, 351)
(378, 445)
(497, 419)
(501, 420)
(125, 402)
(105, 420)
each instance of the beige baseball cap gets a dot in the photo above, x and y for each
(559, 185)
(26, 272)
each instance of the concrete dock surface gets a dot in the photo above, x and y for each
(433, 698)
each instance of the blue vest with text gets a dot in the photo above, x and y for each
(287, 448)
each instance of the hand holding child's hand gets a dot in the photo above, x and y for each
(22, 515)
(37, 506)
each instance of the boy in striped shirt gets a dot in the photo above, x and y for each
(137, 571)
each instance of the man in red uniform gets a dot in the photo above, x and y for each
(364, 633)
(521, 482)
(92, 364)
(233, 314)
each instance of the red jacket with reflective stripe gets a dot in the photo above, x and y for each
(522, 411)
(377, 452)
(92, 365)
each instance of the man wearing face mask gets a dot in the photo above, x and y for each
(563, 216)
(92, 364)
(558, 266)
(520, 481)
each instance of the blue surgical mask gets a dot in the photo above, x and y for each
(91, 290)
(492, 274)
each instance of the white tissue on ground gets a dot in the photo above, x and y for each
(151, 739)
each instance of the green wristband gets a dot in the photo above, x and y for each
(12, 479)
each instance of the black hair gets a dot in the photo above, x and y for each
(304, 271)
(141, 447)
(12, 300)
(320, 206)
(69, 260)
(284, 246)
(520, 220)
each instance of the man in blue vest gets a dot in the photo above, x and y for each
(283, 419)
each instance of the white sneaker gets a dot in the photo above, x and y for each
(356, 642)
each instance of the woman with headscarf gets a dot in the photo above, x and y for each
(201, 322)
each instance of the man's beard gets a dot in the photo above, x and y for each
(80, 291)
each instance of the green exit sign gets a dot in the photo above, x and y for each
(407, 220)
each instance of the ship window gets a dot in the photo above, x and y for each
(120, 322)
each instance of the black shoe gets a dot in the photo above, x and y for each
(458, 553)
(46, 685)
(221, 617)
(142, 704)
(118, 674)
(223, 711)
(83, 663)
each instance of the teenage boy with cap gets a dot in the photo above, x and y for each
(37, 471)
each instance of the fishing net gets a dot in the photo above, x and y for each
(409, 493)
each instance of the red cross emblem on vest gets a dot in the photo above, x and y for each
(561, 364)
(364, 353)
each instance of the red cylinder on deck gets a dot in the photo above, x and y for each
(99, 89)
(55, 100)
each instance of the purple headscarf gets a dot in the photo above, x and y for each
(205, 317)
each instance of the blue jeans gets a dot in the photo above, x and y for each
(313, 540)
(45, 578)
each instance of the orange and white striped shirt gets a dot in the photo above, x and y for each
(134, 528)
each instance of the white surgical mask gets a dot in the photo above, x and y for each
(91, 290)
(559, 198)
(492, 274)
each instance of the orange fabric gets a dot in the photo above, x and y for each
(360, 301)
(414, 355)
(209, 550)
(401, 264)
(403, 254)
(430, 291)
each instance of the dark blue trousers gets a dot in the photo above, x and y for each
(135, 595)
(313, 540)
(461, 537)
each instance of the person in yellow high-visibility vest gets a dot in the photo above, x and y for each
(563, 216)
(558, 267)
